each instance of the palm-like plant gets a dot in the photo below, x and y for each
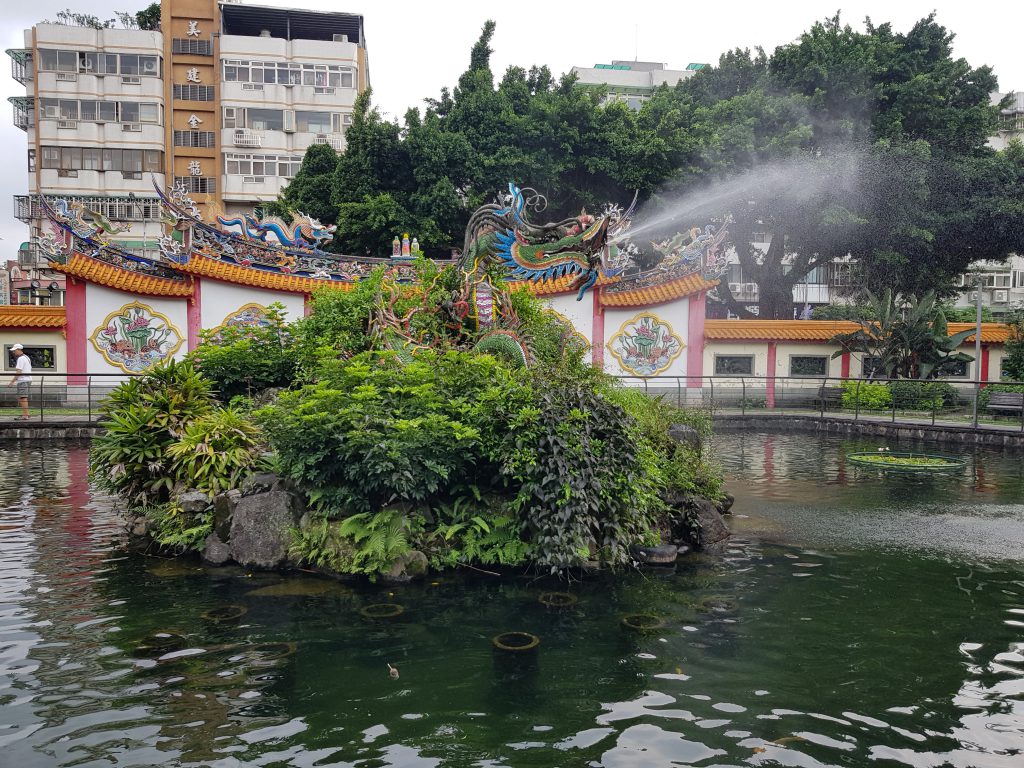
(913, 343)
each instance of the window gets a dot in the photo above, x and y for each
(193, 92)
(106, 111)
(289, 73)
(41, 357)
(199, 184)
(95, 159)
(285, 166)
(265, 119)
(192, 46)
(100, 111)
(954, 370)
(808, 365)
(734, 365)
(130, 64)
(315, 122)
(31, 160)
(129, 112)
(871, 367)
(194, 139)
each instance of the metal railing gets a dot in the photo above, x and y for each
(59, 397)
(951, 402)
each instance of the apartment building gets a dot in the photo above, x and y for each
(1011, 120)
(224, 99)
(632, 82)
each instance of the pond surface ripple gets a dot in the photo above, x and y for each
(855, 619)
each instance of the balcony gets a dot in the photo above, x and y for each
(245, 137)
(334, 141)
(125, 209)
(21, 64)
(24, 111)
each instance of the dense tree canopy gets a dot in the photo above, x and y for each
(870, 143)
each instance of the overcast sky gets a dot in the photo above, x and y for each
(416, 48)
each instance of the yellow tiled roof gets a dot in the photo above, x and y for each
(257, 278)
(101, 273)
(16, 316)
(658, 294)
(559, 285)
(819, 330)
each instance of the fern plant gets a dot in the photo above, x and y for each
(367, 543)
(466, 535)
(216, 451)
(178, 530)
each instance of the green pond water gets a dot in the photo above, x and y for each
(856, 618)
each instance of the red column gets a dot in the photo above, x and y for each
(844, 371)
(770, 382)
(984, 363)
(76, 332)
(597, 332)
(695, 340)
(194, 314)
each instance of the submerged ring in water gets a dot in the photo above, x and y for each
(557, 599)
(225, 613)
(515, 642)
(642, 622)
(381, 610)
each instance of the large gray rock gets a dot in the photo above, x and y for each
(407, 567)
(713, 530)
(258, 535)
(260, 483)
(193, 502)
(685, 435)
(215, 551)
(223, 508)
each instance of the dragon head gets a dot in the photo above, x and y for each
(318, 232)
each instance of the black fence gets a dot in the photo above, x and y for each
(59, 396)
(942, 401)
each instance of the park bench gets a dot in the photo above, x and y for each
(1006, 401)
(828, 397)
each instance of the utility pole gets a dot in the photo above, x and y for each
(978, 279)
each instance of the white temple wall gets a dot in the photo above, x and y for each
(579, 313)
(669, 321)
(219, 300)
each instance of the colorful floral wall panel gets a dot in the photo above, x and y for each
(136, 337)
(645, 345)
(247, 316)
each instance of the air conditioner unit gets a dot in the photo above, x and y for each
(131, 80)
(1000, 297)
(131, 174)
(974, 295)
(253, 179)
(64, 173)
(67, 123)
(53, 111)
(131, 127)
(289, 121)
(68, 77)
(340, 38)
(735, 288)
(322, 91)
(750, 288)
(252, 86)
(149, 67)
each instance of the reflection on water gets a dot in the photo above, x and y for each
(782, 652)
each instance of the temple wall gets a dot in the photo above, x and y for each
(219, 300)
(669, 331)
(579, 313)
(102, 303)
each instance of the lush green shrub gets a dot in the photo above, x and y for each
(177, 530)
(216, 451)
(914, 394)
(867, 397)
(143, 418)
(986, 394)
(467, 535)
(374, 431)
(243, 360)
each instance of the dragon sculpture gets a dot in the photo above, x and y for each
(480, 312)
(303, 231)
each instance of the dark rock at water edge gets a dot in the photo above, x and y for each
(223, 507)
(725, 505)
(260, 483)
(685, 435)
(215, 551)
(662, 554)
(258, 535)
(407, 567)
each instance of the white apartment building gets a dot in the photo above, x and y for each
(631, 81)
(1011, 120)
(225, 99)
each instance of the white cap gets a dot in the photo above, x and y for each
(16, 346)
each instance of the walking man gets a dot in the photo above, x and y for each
(23, 379)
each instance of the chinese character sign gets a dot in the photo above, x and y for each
(194, 122)
(193, 29)
(193, 75)
(195, 168)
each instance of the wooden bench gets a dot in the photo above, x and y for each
(828, 397)
(1006, 401)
